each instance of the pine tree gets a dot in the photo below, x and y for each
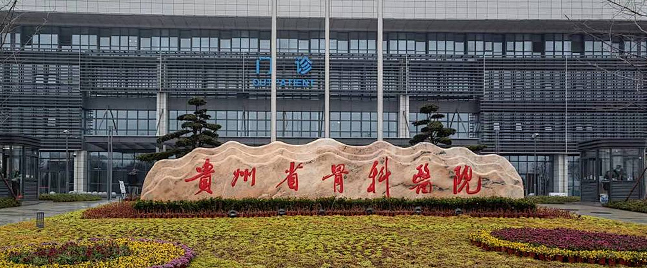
(202, 134)
(433, 130)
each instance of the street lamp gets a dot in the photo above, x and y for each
(536, 186)
(67, 157)
(496, 131)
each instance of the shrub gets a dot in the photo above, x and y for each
(331, 203)
(126, 210)
(631, 205)
(541, 199)
(69, 197)
(7, 202)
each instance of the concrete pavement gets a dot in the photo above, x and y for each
(29, 208)
(597, 210)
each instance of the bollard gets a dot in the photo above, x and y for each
(418, 210)
(40, 220)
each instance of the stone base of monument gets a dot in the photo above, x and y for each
(328, 168)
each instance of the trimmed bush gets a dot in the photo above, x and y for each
(125, 210)
(7, 202)
(69, 197)
(631, 205)
(390, 204)
(541, 199)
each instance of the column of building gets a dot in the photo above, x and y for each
(80, 171)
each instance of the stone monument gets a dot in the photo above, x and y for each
(325, 168)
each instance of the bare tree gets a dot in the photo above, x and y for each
(624, 38)
(9, 18)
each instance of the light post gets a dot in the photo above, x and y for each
(496, 142)
(536, 186)
(67, 158)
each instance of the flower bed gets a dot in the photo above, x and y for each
(566, 245)
(124, 253)
(128, 210)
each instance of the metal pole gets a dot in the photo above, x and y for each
(496, 144)
(536, 173)
(273, 70)
(109, 186)
(67, 158)
(327, 74)
(380, 75)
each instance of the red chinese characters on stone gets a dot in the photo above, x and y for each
(204, 174)
(382, 176)
(462, 180)
(245, 174)
(422, 180)
(338, 172)
(292, 178)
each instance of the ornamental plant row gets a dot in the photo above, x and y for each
(490, 242)
(391, 204)
(127, 210)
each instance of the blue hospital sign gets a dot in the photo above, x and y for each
(303, 66)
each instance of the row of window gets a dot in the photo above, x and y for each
(296, 123)
(313, 42)
(122, 122)
(257, 123)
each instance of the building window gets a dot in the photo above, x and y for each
(124, 122)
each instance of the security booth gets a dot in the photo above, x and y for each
(19, 166)
(612, 167)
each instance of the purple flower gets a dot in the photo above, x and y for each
(573, 239)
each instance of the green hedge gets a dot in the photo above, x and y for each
(553, 199)
(69, 197)
(7, 202)
(631, 205)
(255, 204)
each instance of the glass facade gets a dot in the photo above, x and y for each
(19, 165)
(122, 164)
(536, 180)
(126, 122)
(295, 124)
(574, 175)
(250, 41)
(52, 172)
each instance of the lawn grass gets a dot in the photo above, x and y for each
(313, 241)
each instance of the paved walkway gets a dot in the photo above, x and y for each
(29, 208)
(597, 210)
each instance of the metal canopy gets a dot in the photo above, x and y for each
(17, 139)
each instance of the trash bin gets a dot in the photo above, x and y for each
(604, 199)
